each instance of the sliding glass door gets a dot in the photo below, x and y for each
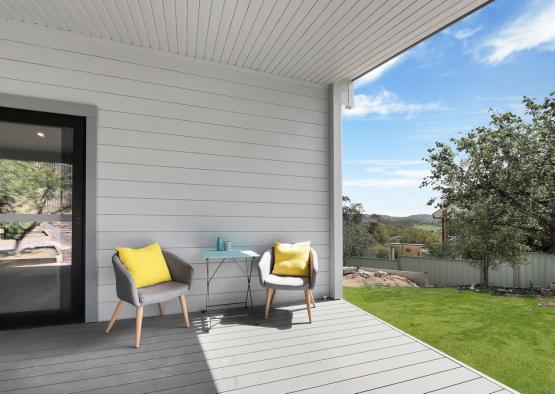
(41, 217)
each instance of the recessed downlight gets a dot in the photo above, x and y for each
(41, 134)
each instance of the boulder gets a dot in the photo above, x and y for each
(349, 270)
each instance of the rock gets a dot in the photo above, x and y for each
(349, 270)
(380, 274)
(362, 278)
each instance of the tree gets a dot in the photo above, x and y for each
(409, 234)
(352, 212)
(511, 161)
(30, 186)
(487, 236)
(357, 241)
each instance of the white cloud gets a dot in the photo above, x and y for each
(419, 174)
(377, 72)
(389, 183)
(534, 29)
(392, 175)
(384, 103)
(375, 170)
(463, 34)
(386, 162)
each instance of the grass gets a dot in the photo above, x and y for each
(508, 338)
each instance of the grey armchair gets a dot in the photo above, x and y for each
(182, 277)
(273, 283)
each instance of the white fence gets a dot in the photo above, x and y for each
(539, 270)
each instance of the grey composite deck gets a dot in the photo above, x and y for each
(344, 350)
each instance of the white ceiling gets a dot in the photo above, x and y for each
(319, 41)
(19, 141)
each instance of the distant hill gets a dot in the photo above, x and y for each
(399, 220)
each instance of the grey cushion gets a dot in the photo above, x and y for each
(286, 282)
(161, 292)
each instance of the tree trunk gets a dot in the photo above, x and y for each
(484, 274)
(25, 233)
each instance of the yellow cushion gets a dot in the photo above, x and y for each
(292, 259)
(146, 265)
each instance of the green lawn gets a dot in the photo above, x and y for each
(508, 338)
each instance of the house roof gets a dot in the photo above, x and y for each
(319, 41)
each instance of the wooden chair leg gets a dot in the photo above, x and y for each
(269, 293)
(183, 303)
(308, 304)
(312, 299)
(115, 316)
(161, 307)
(274, 291)
(138, 326)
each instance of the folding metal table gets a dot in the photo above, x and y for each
(228, 257)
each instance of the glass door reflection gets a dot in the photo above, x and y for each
(40, 270)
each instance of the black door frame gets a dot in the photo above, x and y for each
(77, 311)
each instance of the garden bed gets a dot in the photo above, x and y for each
(510, 291)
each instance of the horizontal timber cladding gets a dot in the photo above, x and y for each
(187, 151)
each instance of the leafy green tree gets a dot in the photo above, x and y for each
(352, 212)
(439, 250)
(511, 161)
(487, 236)
(381, 232)
(28, 186)
(357, 241)
(418, 235)
(409, 234)
(380, 251)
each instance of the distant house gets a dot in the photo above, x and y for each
(398, 249)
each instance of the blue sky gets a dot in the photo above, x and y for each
(438, 89)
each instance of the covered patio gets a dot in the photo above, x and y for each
(208, 119)
(344, 350)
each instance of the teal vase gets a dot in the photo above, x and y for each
(220, 244)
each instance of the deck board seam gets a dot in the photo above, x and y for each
(454, 384)
(333, 369)
(122, 340)
(267, 382)
(171, 347)
(210, 369)
(196, 317)
(411, 379)
(195, 361)
(177, 331)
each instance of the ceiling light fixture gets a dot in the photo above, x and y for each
(41, 134)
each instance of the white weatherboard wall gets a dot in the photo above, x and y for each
(187, 151)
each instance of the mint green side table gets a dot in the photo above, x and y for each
(228, 257)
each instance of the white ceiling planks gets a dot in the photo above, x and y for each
(318, 41)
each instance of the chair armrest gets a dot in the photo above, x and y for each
(125, 285)
(264, 266)
(313, 268)
(180, 270)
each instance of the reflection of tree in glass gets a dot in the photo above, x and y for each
(33, 187)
